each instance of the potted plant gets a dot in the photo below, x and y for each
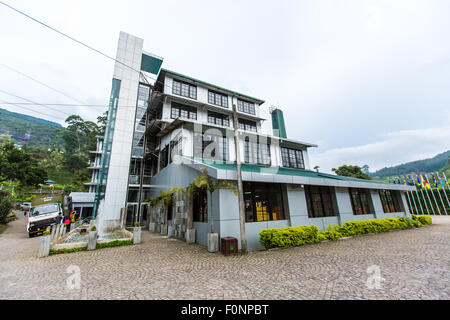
(154, 203)
(205, 182)
(137, 233)
(167, 199)
(92, 238)
(44, 245)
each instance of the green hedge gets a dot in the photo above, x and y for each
(297, 236)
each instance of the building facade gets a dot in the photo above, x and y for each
(164, 127)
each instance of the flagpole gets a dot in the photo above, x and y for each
(448, 188)
(418, 199)
(434, 197)
(409, 198)
(426, 192)
(423, 196)
(445, 193)
(435, 181)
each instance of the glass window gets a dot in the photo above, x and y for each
(206, 146)
(319, 202)
(263, 202)
(247, 107)
(184, 89)
(217, 118)
(292, 158)
(182, 111)
(218, 99)
(361, 201)
(256, 153)
(389, 202)
(247, 125)
(200, 206)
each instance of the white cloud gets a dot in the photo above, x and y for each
(394, 148)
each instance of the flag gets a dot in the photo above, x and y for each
(435, 181)
(419, 182)
(426, 185)
(441, 181)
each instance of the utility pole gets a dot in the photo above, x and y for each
(239, 181)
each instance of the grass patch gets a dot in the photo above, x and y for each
(58, 251)
(115, 243)
(37, 201)
(3, 227)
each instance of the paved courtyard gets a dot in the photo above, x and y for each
(414, 264)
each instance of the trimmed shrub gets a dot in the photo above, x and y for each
(289, 236)
(424, 219)
(296, 236)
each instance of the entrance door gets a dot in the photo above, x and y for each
(144, 214)
(132, 214)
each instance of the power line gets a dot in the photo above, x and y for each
(38, 112)
(41, 83)
(43, 105)
(66, 104)
(73, 39)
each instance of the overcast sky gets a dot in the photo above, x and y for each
(368, 81)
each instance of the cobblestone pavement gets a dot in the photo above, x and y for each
(415, 264)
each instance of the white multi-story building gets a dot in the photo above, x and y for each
(163, 127)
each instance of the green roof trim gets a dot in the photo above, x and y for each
(150, 64)
(213, 85)
(245, 167)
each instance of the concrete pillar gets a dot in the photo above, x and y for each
(92, 240)
(137, 235)
(44, 246)
(190, 235)
(376, 201)
(213, 242)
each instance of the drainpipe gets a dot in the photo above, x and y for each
(239, 181)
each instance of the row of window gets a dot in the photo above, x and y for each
(320, 202)
(187, 90)
(264, 202)
(188, 112)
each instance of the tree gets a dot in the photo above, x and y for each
(6, 206)
(351, 171)
(205, 182)
(18, 165)
(101, 122)
(167, 199)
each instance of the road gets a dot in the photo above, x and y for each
(412, 264)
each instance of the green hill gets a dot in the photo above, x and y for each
(436, 163)
(24, 129)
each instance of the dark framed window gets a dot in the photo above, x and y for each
(361, 201)
(292, 158)
(245, 106)
(200, 204)
(176, 148)
(389, 201)
(164, 157)
(217, 99)
(263, 202)
(257, 153)
(181, 111)
(184, 89)
(218, 118)
(319, 202)
(247, 125)
(203, 148)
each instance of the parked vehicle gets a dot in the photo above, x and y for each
(40, 217)
(26, 206)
